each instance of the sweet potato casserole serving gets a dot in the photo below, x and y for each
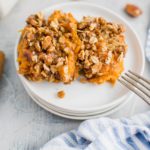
(59, 48)
(47, 49)
(102, 49)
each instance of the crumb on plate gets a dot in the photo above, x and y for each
(83, 80)
(61, 94)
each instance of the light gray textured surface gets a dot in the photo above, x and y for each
(23, 124)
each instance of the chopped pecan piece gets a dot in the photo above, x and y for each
(46, 42)
(28, 55)
(36, 20)
(37, 46)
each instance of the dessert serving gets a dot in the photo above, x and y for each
(47, 49)
(102, 50)
(60, 48)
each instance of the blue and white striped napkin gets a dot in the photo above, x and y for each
(106, 134)
(147, 48)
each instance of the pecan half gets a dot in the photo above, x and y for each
(133, 10)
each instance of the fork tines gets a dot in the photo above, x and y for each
(138, 84)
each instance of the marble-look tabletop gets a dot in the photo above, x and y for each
(23, 124)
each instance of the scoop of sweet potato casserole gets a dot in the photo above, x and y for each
(47, 49)
(102, 50)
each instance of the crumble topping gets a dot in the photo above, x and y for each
(47, 49)
(59, 48)
(102, 49)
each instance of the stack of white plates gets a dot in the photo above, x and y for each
(84, 101)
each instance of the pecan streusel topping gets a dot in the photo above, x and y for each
(47, 49)
(102, 49)
(59, 48)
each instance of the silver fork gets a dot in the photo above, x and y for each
(137, 84)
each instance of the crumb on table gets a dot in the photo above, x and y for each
(61, 94)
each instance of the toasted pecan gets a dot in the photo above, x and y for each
(133, 10)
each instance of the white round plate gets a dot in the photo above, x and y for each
(89, 97)
(74, 113)
(77, 117)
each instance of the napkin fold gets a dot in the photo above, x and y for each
(106, 134)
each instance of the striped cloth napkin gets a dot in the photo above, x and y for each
(106, 134)
(147, 48)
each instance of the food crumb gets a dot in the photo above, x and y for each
(83, 80)
(133, 10)
(61, 94)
